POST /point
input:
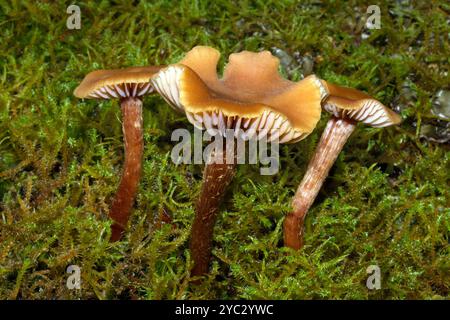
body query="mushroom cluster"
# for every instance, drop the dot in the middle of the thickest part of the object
(252, 101)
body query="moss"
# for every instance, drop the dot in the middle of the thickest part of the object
(386, 201)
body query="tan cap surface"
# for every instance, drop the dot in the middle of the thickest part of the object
(352, 104)
(251, 95)
(118, 83)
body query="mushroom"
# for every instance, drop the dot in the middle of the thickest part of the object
(253, 100)
(129, 86)
(347, 107)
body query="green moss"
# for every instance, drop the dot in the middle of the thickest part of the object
(386, 201)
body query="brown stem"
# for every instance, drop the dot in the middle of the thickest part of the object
(133, 139)
(330, 145)
(216, 178)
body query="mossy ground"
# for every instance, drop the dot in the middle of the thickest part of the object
(386, 201)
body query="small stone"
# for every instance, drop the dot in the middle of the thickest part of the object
(438, 133)
(307, 65)
(441, 104)
(285, 59)
(407, 91)
(407, 96)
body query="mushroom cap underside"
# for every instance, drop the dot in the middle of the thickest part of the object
(118, 83)
(349, 103)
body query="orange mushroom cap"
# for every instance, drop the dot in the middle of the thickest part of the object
(118, 83)
(251, 96)
(352, 104)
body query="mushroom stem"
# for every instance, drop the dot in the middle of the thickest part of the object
(133, 139)
(333, 139)
(216, 178)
